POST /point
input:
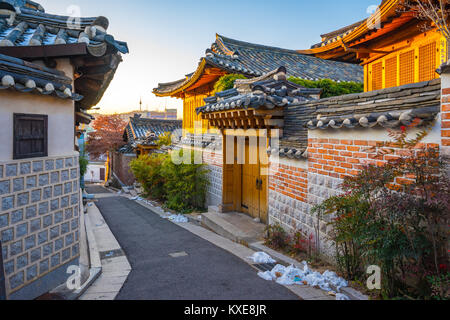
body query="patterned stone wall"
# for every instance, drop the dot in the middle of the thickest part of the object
(213, 162)
(39, 217)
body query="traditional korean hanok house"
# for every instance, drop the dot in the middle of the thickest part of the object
(324, 140)
(248, 117)
(141, 136)
(391, 45)
(346, 132)
(51, 71)
(226, 56)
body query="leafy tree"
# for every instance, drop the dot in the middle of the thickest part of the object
(107, 134)
(226, 82)
(165, 139)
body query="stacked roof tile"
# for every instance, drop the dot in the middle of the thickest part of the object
(270, 91)
(28, 77)
(25, 23)
(146, 132)
(389, 108)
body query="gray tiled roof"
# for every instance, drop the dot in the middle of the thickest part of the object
(27, 77)
(25, 23)
(254, 60)
(146, 131)
(270, 91)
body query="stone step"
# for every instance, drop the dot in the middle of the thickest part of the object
(234, 226)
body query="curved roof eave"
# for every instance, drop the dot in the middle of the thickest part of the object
(385, 9)
(185, 84)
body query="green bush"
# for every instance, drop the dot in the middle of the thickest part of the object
(185, 184)
(330, 88)
(147, 170)
(226, 82)
(181, 186)
(165, 139)
(276, 237)
(83, 164)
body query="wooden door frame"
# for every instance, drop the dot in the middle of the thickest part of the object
(232, 178)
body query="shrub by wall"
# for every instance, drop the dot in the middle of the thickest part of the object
(330, 88)
(182, 187)
(226, 82)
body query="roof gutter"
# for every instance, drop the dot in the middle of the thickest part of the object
(50, 51)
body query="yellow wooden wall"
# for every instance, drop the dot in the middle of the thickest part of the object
(191, 101)
(415, 63)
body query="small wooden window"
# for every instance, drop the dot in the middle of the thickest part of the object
(30, 136)
(391, 72)
(377, 76)
(427, 62)
(407, 67)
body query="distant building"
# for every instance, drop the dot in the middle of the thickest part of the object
(167, 114)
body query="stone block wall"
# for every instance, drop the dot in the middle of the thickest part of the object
(213, 161)
(39, 217)
(287, 196)
(292, 192)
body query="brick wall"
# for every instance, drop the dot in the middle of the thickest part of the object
(337, 158)
(445, 118)
(39, 217)
(291, 191)
(287, 195)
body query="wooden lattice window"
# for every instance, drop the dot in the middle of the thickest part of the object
(391, 72)
(427, 62)
(407, 67)
(377, 76)
(30, 136)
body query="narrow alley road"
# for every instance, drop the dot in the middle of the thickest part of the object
(206, 272)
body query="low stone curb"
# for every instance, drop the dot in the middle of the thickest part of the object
(95, 269)
(283, 259)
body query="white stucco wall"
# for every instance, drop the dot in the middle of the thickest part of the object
(93, 172)
(61, 136)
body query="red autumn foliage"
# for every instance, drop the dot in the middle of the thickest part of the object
(107, 134)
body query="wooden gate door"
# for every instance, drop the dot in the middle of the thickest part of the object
(250, 178)
(102, 174)
(254, 184)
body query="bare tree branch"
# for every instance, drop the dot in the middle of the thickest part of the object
(435, 12)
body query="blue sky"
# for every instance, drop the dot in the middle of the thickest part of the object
(167, 38)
